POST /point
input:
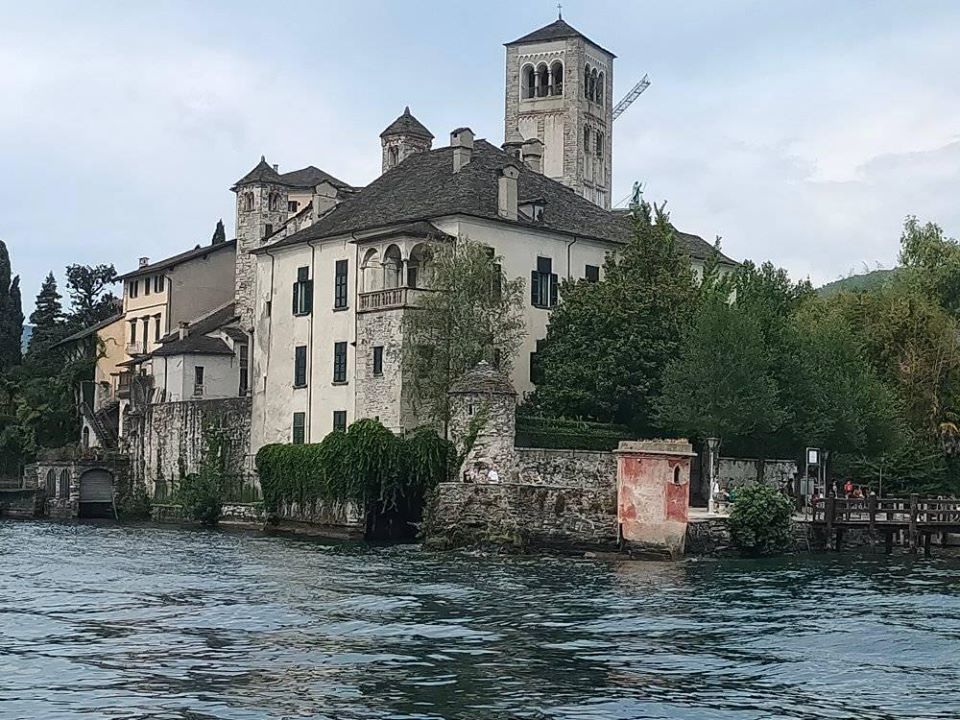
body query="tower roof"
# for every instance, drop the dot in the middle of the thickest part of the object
(482, 379)
(407, 124)
(261, 173)
(557, 30)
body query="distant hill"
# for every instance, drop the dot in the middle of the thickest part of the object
(25, 338)
(858, 283)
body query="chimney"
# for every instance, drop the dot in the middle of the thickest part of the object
(461, 140)
(144, 261)
(276, 168)
(507, 192)
(182, 330)
(513, 144)
(325, 198)
(533, 155)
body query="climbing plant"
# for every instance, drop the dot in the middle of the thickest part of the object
(367, 465)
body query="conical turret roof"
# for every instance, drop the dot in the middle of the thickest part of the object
(261, 173)
(407, 124)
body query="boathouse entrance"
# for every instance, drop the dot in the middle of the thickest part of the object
(96, 494)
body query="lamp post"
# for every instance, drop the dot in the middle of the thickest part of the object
(713, 448)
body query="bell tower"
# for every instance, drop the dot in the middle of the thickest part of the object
(558, 90)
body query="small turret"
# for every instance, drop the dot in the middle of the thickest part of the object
(403, 137)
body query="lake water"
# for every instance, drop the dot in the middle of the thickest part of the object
(110, 622)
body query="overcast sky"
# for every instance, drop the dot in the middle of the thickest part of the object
(802, 132)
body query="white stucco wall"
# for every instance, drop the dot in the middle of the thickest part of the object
(174, 376)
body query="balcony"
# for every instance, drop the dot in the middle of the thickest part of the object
(390, 299)
(136, 348)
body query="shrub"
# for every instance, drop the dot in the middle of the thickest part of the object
(200, 496)
(760, 520)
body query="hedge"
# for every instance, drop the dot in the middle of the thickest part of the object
(367, 465)
(565, 433)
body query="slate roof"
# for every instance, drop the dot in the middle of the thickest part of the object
(198, 251)
(204, 324)
(557, 30)
(193, 345)
(424, 187)
(310, 177)
(88, 331)
(263, 172)
(407, 124)
(482, 379)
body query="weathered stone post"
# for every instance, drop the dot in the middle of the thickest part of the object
(653, 494)
(483, 423)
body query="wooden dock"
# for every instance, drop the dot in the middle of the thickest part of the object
(917, 519)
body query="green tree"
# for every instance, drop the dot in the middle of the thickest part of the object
(474, 313)
(720, 384)
(47, 319)
(90, 302)
(608, 342)
(931, 262)
(11, 314)
(219, 233)
(761, 520)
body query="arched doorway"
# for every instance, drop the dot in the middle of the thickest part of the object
(96, 494)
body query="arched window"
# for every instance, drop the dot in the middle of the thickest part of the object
(63, 492)
(370, 275)
(598, 93)
(529, 80)
(543, 80)
(393, 157)
(419, 270)
(273, 203)
(593, 85)
(85, 437)
(556, 78)
(586, 83)
(676, 475)
(247, 202)
(50, 486)
(392, 265)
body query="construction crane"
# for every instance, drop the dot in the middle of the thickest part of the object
(631, 96)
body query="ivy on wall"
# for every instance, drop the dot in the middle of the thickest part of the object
(367, 465)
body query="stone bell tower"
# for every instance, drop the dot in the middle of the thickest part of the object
(558, 89)
(404, 136)
(261, 210)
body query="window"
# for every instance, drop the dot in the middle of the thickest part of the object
(393, 157)
(133, 332)
(543, 81)
(340, 362)
(244, 353)
(529, 81)
(586, 83)
(586, 140)
(158, 283)
(556, 77)
(591, 273)
(63, 492)
(378, 360)
(339, 420)
(543, 284)
(51, 484)
(300, 366)
(268, 230)
(602, 198)
(198, 380)
(599, 147)
(292, 205)
(536, 371)
(299, 428)
(303, 292)
(156, 328)
(598, 90)
(146, 286)
(134, 288)
(247, 201)
(340, 284)
(273, 202)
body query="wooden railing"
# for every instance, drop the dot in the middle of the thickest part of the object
(874, 511)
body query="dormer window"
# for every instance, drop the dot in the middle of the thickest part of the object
(532, 210)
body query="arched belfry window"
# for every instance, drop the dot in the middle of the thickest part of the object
(556, 78)
(543, 80)
(598, 93)
(273, 203)
(587, 92)
(529, 79)
(247, 201)
(593, 85)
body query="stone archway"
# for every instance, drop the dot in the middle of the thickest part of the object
(96, 494)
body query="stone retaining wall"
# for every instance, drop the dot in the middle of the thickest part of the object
(19, 503)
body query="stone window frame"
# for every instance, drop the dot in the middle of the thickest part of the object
(378, 360)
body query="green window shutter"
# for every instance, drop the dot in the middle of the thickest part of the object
(553, 289)
(308, 296)
(295, 287)
(535, 288)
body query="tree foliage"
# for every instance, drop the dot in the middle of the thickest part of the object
(473, 313)
(11, 314)
(90, 300)
(219, 234)
(608, 342)
(761, 520)
(49, 324)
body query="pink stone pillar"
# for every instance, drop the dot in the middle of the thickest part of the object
(653, 495)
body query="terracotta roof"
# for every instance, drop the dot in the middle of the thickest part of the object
(557, 30)
(198, 251)
(424, 187)
(407, 124)
(484, 379)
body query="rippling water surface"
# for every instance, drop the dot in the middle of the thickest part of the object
(110, 622)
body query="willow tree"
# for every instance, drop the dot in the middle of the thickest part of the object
(473, 313)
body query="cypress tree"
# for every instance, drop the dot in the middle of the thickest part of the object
(47, 319)
(219, 234)
(11, 314)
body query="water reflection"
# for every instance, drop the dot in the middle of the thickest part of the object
(109, 622)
